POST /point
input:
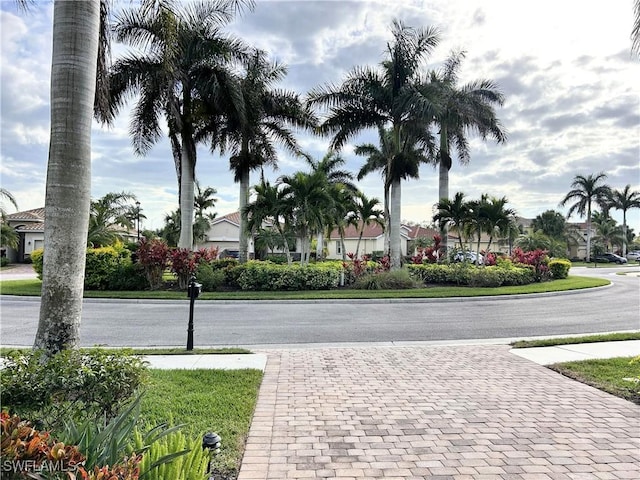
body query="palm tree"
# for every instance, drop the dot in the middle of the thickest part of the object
(340, 183)
(267, 117)
(107, 214)
(452, 214)
(551, 223)
(585, 191)
(76, 40)
(270, 206)
(204, 200)
(458, 111)
(306, 200)
(181, 61)
(625, 200)
(365, 214)
(383, 97)
(6, 194)
(608, 232)
(498, 219)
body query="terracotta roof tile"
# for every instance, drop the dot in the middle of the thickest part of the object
(37, 214)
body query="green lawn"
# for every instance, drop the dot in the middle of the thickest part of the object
(32, 288)
(221, 401)
(550, 342)
(619, 376)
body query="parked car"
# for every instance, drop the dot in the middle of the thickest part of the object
(609, 258)
(633, 256)
(229, 253)
(468, 256)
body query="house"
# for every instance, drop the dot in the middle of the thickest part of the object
(30, 228)
(373, 240)
(224, 233)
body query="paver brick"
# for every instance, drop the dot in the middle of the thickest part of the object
(433, 412)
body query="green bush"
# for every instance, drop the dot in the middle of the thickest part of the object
(559, 268)
(467, 274)
(127, 276)
(100, 266)
(269, 276)
(223, 263)
(4, 261)
(393, 280)
(486, 277)
(37, 259)
(71, 384)
(210, 279)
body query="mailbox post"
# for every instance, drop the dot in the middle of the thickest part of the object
(193, 291)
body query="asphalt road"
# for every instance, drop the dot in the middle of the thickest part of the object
(240, 323)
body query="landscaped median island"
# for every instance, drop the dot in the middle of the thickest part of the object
(111, 274)
(119, 417)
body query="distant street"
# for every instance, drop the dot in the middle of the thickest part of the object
(241, 323)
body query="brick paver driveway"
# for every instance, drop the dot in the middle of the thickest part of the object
(434, 412)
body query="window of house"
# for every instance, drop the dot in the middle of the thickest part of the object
(338, 247)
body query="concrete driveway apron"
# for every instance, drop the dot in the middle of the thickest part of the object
(434, 412)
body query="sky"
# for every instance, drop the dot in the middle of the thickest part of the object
(572, 102)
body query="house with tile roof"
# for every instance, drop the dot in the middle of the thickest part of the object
(224, 234)
(30, 228)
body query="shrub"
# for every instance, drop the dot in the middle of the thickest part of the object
(395, 280)
(70, 384)
(127, 276)
(101, 263)
(537, 258)
(269, 276)
(4, 261)
(189, 466)
(486, 277)
(184, 262)
(223, 263)
(559, 268)
(37, 257)
(153, 255)
(210, 279)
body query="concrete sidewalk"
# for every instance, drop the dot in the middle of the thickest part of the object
(539, 355)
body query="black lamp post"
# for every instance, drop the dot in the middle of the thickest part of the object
(138, 218)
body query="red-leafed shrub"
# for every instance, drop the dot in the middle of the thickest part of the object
(153, 255)
(538, 259)
(184, 262)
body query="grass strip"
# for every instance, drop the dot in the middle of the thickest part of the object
(221, 401)
(153, 350)
(551, 342)
(32, 288)
(618, 376)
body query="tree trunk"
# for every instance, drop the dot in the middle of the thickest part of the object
(76, 26)
(359, 240)
(387, 223)
(395, 247)
(319, 245)
(187, 198)
(443, 179)
(244, 199)
(624, 233)
(588, 257)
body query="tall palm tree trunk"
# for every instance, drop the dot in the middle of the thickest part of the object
(187, 196)
(244, 200)
(443, 179)
(395, 247)
(588, 257)
(624, 233)
(76, 26)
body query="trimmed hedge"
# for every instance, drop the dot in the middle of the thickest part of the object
(106, 268)
(559, 268)
(270, 276)
(465, 274)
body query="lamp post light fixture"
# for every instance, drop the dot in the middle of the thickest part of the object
(211, 441)
(138, 218)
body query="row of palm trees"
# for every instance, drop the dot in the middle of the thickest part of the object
(588, 191)
(313, 203)
(210, 87)
(473, 218)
